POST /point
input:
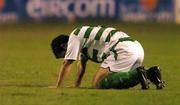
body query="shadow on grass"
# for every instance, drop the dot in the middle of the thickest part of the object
(21, 85)
(46, 87)
(23, 94)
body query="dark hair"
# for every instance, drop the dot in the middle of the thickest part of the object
(56, 44)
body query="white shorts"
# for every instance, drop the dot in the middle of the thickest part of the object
(130, 56)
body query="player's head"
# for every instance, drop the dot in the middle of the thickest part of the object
(59, 45)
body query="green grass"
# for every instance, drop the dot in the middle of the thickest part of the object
(27, 65)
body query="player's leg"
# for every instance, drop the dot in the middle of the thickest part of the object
(105, 79)
(142, 77)
(130, 56)
(141, 71)
(120, 80)
(125, 80)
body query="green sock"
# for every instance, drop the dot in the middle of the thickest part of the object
(120, 80)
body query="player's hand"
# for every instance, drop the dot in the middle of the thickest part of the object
(52, 87)
(55, 87)
(69, 87)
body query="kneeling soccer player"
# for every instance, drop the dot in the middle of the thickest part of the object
(121, 58)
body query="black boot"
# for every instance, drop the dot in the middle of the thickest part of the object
(142, 77)
(154, 75)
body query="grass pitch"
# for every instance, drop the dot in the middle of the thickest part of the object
(27, 66)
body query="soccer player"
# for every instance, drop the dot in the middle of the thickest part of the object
(121, 58)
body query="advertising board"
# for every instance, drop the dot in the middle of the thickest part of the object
(71, 10)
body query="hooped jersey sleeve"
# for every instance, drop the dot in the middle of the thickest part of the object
(73, 48)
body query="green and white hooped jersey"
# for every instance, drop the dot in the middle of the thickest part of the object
(93, 42)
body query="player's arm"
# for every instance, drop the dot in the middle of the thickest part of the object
(81, 66)
(65, 69)
(71, 55)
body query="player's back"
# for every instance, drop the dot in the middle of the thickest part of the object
(97, 41)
